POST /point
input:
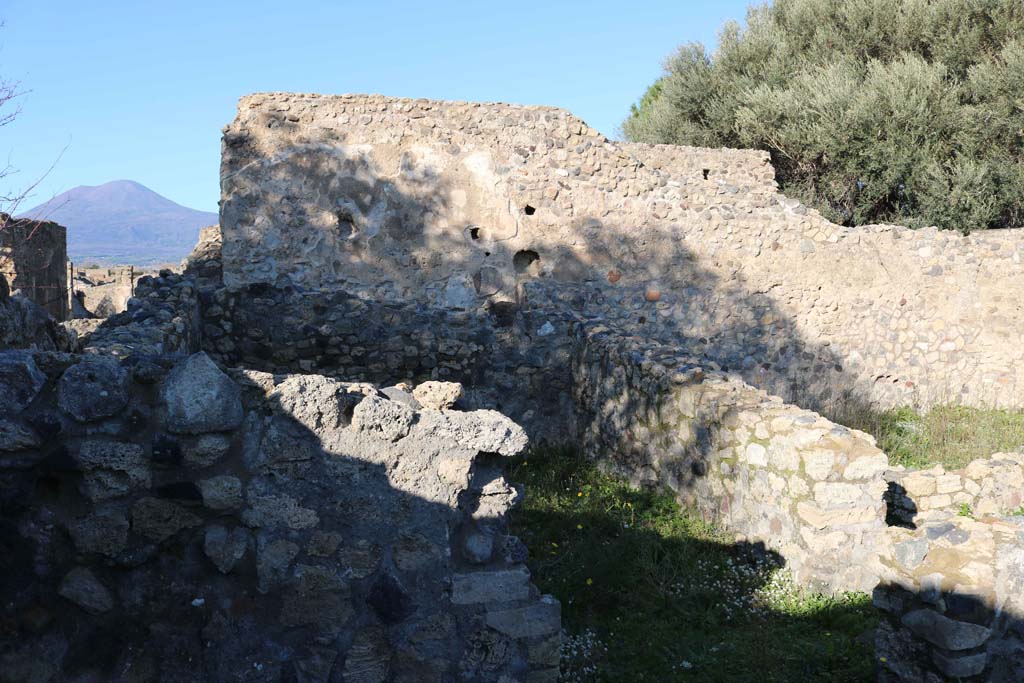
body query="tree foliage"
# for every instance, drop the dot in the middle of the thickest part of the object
(906, 111)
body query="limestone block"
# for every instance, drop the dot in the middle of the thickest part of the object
(818, 464)
(832, 495)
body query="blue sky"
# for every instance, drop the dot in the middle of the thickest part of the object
(140, 90)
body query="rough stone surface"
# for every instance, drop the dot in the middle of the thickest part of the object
(438, 395)
(112, 469)
(383, 417)
(20, 381)
(81, 587)
(93, 389)
(16, 436)
(225, 548)
(200, 398)
(159, 520)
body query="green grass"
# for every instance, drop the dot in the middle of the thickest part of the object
(650, 592)
(948, 435)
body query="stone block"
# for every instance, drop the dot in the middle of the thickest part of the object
(112, 468)
(158, 520)
(963, 666)
(491, 586)
(541, 619)
(945, 632)
(81, 587)
(221, 493)
(20, 381)
(200, 398)
(95, 388)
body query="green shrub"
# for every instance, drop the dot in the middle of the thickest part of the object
(908, 111)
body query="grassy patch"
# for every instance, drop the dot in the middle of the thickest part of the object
(948, 435)
(650, 592)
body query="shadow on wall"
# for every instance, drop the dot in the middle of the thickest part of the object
(137, 547)
(392, 234)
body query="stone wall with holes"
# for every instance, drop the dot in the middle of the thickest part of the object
(954, 607)
(985, 487)
(33, 259)
(805, 487)
(163, 518)
(454, 204)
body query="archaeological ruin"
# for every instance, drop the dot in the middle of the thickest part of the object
(286, 463)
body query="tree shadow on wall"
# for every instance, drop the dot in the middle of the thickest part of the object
(312, 564)
(413, 227)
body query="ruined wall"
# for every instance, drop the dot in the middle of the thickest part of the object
(954, 610)
(805, 487)
(33, 259)
(450, 202)
(164, 520)
(101, 293)
(984, 487)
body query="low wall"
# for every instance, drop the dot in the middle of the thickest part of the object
(954, 609)
(510, 358)
(164, 520)
(807, 488)
(986, 486)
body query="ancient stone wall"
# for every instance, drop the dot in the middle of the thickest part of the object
(984, 487)
(100, 293)
(808, 489)
(165, 520)
(33, 259)
(453, 203)
(954, 609)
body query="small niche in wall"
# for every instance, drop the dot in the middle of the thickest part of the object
(706, 171)
(529, 210)
(526, 261)
(474, 233)
(346, 227)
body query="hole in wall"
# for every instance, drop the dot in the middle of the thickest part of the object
(706, 171)
(346, 227)
(529, 210)
(474, 233)
(526, 261)
(900, 508)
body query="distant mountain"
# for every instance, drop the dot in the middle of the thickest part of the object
(123, 222)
